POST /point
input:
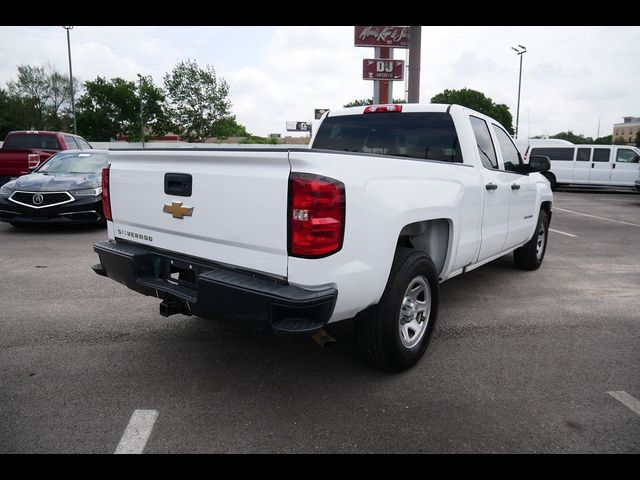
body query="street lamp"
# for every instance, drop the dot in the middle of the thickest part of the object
(141, 117)
(519, 51)
(73, 106)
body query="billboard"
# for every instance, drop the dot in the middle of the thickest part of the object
(381, 36)
(298, 126)
(318, 112)
(382, 69)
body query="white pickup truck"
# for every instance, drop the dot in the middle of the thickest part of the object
(389, 201)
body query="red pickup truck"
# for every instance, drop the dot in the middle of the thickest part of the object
(24, 150)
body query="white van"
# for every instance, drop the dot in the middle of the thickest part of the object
(597, 165)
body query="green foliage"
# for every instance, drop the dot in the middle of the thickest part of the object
(111, 108)
(606, 140)
(252, 139)
(572, 137)
(45, 96)
(197, 100)
(477, 101)
(619, 141)
(361, 102)
(228, 127)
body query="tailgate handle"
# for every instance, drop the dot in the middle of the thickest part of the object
(178, 184)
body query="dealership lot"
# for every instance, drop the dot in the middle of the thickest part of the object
(519, 362)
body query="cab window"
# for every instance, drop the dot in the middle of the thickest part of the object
(484, 142)
(510, 155)
(626, 155)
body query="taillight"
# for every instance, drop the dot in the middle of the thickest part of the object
(316, 215)
(33, 160)
(382, 108)
(106, 198)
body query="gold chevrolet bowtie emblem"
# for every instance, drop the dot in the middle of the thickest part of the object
(177, 210)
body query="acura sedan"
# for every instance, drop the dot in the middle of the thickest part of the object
(64, 189)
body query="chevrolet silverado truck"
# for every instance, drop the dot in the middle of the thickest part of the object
(388, 202)
(22, 151)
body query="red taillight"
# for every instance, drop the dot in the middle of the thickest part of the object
(33, 159)
(106, 199)
(382, 108)
(316, 215)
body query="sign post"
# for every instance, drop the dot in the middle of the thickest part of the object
(384, 39)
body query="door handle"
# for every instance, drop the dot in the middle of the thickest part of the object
(593, 165)
(491, 186)
(515, 186)
(614, 166)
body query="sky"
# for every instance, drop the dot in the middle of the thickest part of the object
(572, 77)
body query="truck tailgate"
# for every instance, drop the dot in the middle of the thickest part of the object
(239, 201)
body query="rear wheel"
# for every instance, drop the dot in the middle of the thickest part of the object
(396, 332)
(531, 254)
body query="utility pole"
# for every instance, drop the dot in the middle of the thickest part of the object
(415, 42)
(521, 50)
(73, 106)
(141, 117)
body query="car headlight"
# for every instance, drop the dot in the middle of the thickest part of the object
(89, 192)
(5, 191)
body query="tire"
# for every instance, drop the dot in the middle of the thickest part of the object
(531, 255)
(378, 333)
(553, 184)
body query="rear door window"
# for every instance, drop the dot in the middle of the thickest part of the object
(419, 135)
(71, 143)
(583, 155)
(558, 154)
(82, 143)
(601, 154)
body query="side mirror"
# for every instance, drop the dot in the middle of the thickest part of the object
(539, 163)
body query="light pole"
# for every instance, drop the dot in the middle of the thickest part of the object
(521, 50)
(141, 117)
(73, 106)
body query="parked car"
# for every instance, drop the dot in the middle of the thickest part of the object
(64, 189)
(594, 165)
(25, 150)
(389, 201)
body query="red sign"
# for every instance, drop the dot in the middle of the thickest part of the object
(382, 69)
(394, 37)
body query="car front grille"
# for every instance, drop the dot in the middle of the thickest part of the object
(41, 199)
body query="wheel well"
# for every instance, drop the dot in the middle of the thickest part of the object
(432, 236)
(546, 206)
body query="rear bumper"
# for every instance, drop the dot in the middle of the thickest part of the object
(212, 291)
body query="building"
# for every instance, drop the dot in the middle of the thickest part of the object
(627, 130)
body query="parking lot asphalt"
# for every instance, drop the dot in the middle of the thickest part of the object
(520, 362)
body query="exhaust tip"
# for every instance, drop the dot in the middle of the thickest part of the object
(323, 339)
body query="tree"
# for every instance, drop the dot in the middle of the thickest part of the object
(228, 127)
(606, 140)
(477, 101)
(14, 113)
(361, 102)
(197, 101)
(109, 109)
(46, 93)
(573, 138)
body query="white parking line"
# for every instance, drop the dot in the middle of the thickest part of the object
(563, 233)
(596, 216)
(137, 432)
(627, 400)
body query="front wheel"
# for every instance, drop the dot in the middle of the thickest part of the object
(531, 254)
(396, 332)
